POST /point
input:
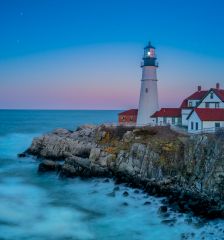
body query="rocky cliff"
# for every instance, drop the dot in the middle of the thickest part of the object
(189, 170)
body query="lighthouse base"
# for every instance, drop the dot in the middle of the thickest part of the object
(148, 103)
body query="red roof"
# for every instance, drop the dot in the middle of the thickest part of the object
(184, 104)
(129, 112)
(219, 93)
(195, 96)
(199, 95)
(168, 112)
(210, 114)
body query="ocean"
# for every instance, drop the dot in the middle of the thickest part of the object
(42, 206)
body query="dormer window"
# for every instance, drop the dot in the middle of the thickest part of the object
(211, 95)
(189, 104)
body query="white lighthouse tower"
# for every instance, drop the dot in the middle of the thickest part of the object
(148, 102)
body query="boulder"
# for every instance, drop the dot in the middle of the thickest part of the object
(86, 126)
(62, 132)
(162, 209)
(48, 166)
(77, 161)
(128, 136)
(22, 155)
(125, 194)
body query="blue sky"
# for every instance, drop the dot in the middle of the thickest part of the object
(86, 54)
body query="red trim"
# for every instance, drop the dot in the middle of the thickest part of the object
(168, 112)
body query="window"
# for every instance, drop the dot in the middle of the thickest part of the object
(211, 96)
(173, 120)
(207, 104)
(196, 125)
(131, 118)
(164, 120)
(189, 104)
(123, 119)
(146, 90)
(179, 121)
(217, 125)
(192, 125)
(216, 105)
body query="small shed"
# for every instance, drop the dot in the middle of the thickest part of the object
(128, 117)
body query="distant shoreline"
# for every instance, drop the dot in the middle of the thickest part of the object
(20, 109)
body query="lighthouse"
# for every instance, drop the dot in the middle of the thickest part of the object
(148, 102)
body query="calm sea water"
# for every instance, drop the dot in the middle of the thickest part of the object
(37, 207)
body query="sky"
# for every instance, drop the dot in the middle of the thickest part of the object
(70, 54)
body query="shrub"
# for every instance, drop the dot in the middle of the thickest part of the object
(146, 131)
(111, 150)
(117, 132)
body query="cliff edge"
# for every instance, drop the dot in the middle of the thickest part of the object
(188, 170)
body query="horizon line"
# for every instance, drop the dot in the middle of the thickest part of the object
(52, 109)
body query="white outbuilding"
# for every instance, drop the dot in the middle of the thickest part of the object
(205, 120)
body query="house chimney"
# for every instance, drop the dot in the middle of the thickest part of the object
(217, 85)
(199, 88)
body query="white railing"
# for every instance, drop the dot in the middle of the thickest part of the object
(209, 130)
(175, 128)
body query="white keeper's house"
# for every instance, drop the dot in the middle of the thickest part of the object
(202, 111)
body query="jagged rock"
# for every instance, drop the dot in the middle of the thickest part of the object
(162, 209)
(69, 170)
(21, 155)
(62, 132)
(128, 136)
(125, 194)
(188, 170)
(55, 147)
(48, 165)
(82, 162)
(99, 171)
(86, 126)
(117, 188)
(95, 154)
